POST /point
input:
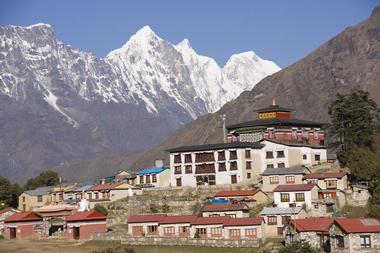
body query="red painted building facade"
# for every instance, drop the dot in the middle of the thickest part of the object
(24, 225)
(82, 225)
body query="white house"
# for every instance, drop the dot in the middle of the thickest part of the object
(273, 177)
(237, 162)
(328, 180)
(233, 210)
(296, 195)
(153, 177)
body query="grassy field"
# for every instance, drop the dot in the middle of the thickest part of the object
(54, 246)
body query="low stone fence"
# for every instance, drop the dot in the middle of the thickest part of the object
(176, 241)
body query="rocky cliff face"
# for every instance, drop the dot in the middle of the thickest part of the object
(349, 61)
(59, 103)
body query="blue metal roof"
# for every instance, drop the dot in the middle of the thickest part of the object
(149, 171)
(83, 188)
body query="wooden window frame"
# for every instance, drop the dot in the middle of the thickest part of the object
(285, 200)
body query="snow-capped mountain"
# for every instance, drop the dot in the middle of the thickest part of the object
(78, 105)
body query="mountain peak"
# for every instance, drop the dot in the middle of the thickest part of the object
(39, 25)
(184, 43)
(146, 32)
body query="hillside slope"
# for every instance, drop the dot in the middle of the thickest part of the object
(347, 62)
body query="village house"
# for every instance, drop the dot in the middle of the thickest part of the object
(296, 195)
(32, 199)
(315, 231)
(251, 197)
(23, 225)
(276, 123)
(272, 177)
(109, 192)
(83, 224)
(4, 213)
(62, 193)
(328, 180)
(233, 210)
(221, 227)
(277, 218)
(80, 192)
(153, 177)
(355, 235)
(126, 177)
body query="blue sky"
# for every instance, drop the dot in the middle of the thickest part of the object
(282, 31)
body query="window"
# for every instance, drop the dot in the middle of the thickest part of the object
(233, 155)
(248, 175)
(286, 220)
(248, 165)
(294, 133)
(280, 165)
(221, 156)
(152, 229)
(248, 154)
(284, 197)
(280, 154)
(201, 231)
(154, 178)
(169, 230)
(216, 231)
(270, 166)
(251, 232)
(365, 241)
(290, 179)
(269, 155)
(90, 196)
(231, 215)
(339, 241)
(304, 156)
(184, 229)
(188, 158)
(331, 184)
(188, 169)
(177, 158)
(178, 182)
(177, 170)
(273, 180)
(222, 167)
(60, 196)
(233, 166)
(315, 134)
(96, 195)
(272, 220)
(317, 157)
(39, 198)
(147, 179)
(141, 179)
(204, 157)
(23, 199)
(300, 197)
(234, 232)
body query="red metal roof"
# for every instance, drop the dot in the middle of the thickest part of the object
(312, 224)
(24, 216)
(87, 215)
(359, 225)
(178, 219)
(254, 221)
(237, 193)
(146, 218)
(325, 175)
(210, 220)
(294, 187)
(7, 209)
(108, 186)
(220, 207)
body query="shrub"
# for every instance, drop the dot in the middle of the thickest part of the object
(297, 247)
(118, 249)
(101, 209)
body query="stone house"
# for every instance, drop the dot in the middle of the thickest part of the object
(32, 199)
(328, 180)
(316, 231)
(108, 192)
(296, 195)
(153, 177)
(24, 225)
(277, 218)
(144, 225)
(82, 225)
(357, 194)
(248, 196)
(4, 213)
(355, 235)
(176, 226)
(273, 177)
(233, 210)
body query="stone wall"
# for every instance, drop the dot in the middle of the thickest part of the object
(175, 241)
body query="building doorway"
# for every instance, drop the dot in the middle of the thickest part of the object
(76, 233)
(179, 181)
(12, 233)
(233, 179)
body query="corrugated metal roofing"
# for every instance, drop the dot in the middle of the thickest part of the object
(254, 221)
(312, 224)
(149, 171)
(280, 210)
(87, 215)
(220, 207)
(359, 225)
(325, 175)
(146, 218)
(23, 216)
(40, 191)
(237, 193)
(83, 188)
(284, 171)
(294, 187)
